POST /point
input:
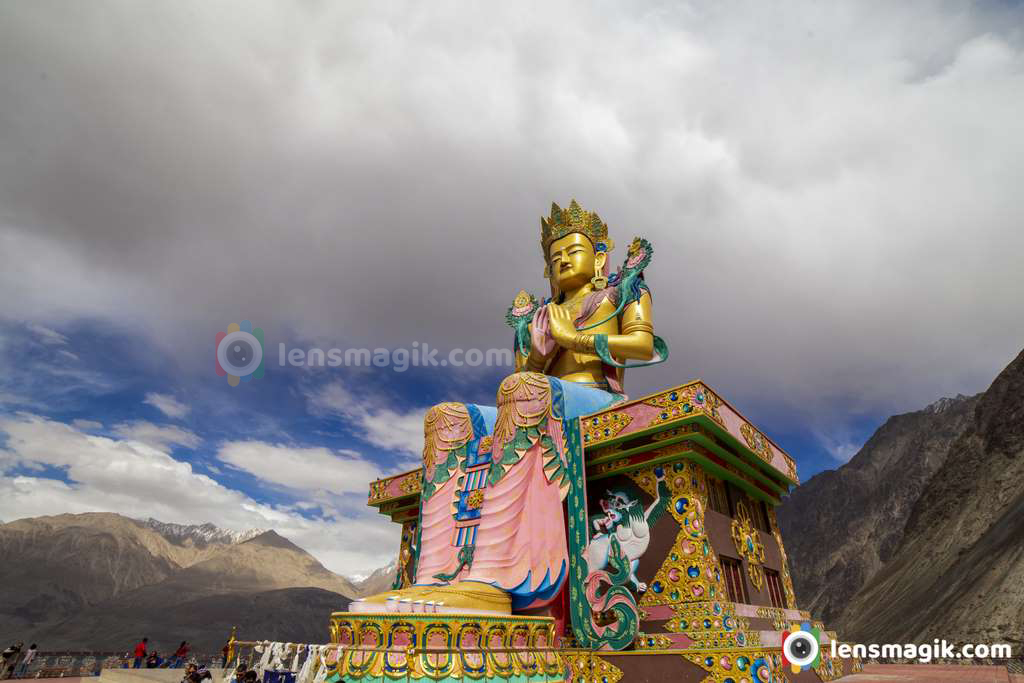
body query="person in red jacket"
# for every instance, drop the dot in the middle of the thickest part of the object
(140, 653)
(179, 655)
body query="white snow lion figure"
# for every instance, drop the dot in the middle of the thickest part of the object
(630, 523)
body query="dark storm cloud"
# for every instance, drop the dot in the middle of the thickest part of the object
(832, 190)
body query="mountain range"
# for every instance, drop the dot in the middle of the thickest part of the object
(101, 581)
(921, 534)
(200, 534)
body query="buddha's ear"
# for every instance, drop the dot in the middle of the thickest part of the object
(600, 258)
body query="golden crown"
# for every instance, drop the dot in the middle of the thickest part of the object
(572, 219)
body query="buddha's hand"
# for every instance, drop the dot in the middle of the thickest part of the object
(563, 329)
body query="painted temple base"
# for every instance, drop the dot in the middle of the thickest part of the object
(463, 597)
(709, 642)
(444, 647)
(718, 589)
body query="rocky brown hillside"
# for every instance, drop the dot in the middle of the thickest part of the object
(960, 572)
(842, 526)
(266, 562)
(295, 615)
(947, 562)
(62, 575)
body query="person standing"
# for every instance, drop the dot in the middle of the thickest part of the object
(26, 660)
(178, 660)
(10, 656)
(140, 653)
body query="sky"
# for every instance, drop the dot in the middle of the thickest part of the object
(832, 191)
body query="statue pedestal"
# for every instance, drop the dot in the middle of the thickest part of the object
(444, 647)
(710, 577)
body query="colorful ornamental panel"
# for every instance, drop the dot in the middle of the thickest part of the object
(586, 667)
(405, 484)
(691, 570)
(787, 579)
(685, 401)
(674, 408)
(603, 427)
(748, 544)
(406, 553)
(443, 647)
(756, 442)
(712, 624)
(732, 667)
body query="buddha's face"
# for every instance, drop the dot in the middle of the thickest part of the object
(573, 261)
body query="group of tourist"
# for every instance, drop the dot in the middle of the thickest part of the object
(152, 659)
(15, 662)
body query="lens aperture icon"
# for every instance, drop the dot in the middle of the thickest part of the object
(801, 648)
(239, 353)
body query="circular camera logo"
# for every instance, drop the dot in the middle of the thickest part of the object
(801, 649)
(239, 353)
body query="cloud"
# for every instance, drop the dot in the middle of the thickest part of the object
(832, 188)
(161, 437)
(381, 426)
(841, 445)
(141, 480)
(7, 398)
(67, 380)
(303, 469)
(128, 469)
(86, 425)
(167, 404)
(47, 335)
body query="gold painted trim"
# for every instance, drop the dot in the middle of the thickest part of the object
(707, 386)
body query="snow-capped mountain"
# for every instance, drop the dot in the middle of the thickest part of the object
(199, 534)
(378, 581)
(98, 580)
(946, 403)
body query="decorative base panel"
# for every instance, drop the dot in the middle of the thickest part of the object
(444, 647)
(382, 648)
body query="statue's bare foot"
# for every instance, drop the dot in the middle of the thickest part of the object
(404, 600)
(464, 597)
(468, 597)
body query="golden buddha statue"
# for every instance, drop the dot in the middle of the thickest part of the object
(492, 529)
